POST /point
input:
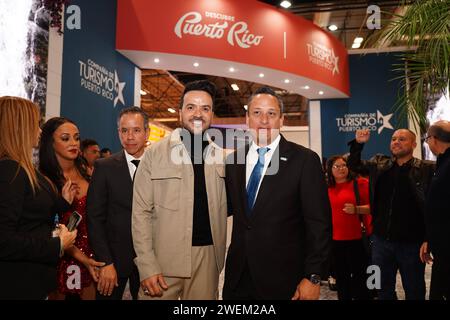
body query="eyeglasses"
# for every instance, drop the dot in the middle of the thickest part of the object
(427, 138)
(342, 166)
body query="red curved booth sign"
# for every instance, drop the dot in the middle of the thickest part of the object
(252, 35)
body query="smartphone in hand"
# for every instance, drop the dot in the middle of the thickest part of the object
(74, 221)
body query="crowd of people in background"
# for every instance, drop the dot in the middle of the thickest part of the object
(160, 226)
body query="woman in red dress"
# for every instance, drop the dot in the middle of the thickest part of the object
(59, 159)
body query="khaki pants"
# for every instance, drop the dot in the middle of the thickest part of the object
(203, 283)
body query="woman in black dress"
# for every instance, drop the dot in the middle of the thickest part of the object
(28, 204)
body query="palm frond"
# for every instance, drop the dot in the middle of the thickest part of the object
(424, 27)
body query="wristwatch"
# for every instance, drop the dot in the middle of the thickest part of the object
(314, 278)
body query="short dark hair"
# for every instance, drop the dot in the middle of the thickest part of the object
(105, 150)
(87, 143)
(266, 90)
(200, 85)
(439, 133)
(135, 110)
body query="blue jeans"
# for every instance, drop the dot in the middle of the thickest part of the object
(391, 256)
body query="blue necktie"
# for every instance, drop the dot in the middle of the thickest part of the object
(255, 178)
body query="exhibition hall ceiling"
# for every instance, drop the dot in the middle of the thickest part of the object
(349, 16)
(163, 91)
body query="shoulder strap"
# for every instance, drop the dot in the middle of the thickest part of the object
(356, 191)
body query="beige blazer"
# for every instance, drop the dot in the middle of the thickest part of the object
(163, 200)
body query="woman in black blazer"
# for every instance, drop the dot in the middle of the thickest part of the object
(28, 203)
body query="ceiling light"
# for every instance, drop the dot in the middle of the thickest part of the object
(332, 27)
(235, 87)
(358, 40)
(285, 4)
(321, 92)
(171, 110)
(287, 80)
(305, 87)
(143, 93)
(261, 75)
(356, 45)
(156, 60)
(245, 107)
(231, 69)
(196, 64)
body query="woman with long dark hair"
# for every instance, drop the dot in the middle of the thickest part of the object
(28, 203)
(349, 256)
(60, 160)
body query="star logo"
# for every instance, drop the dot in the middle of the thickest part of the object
(335, 62)
(384, 121)
(118, 88)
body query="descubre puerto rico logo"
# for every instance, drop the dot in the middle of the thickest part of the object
(237, 34)
(371, 121)
(101, 81)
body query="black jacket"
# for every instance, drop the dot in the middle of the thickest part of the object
(109, 202)
(420, 177)
(28, 253)
(438, 208)
(288, 234)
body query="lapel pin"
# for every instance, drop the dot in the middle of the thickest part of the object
(283, 158)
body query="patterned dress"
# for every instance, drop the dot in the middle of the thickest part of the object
(72, 274)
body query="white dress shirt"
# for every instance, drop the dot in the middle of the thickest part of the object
(252, 159)
(131, 166)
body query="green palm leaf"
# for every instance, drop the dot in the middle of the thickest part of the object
(425, 28)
